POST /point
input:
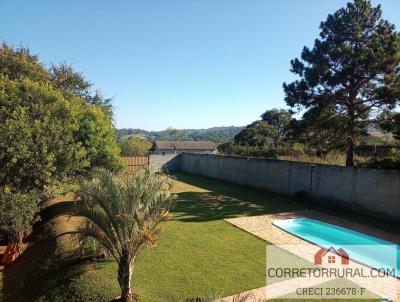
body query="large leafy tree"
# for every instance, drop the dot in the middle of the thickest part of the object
(37, 135)
(48, 128)
(258, 134)
(279, 120)
(51, 128)
(124, 214)
(352, 70)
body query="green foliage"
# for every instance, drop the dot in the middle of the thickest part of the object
(97, 137)
(134, 146)
(200, 236)
(37, 127)
(18, 213)
(262, 138)
(227, 148)
(124, 214)
(298, 149)
(100, 101)
(320, 130)
(185, 258)
(258, 134)
(19, 63)
(231, 148)
(58, 188)
(73, 83)
(88, 246)
(352, 69)
(392, 161)
(374, 140)
(52, 129)
(50, 126)
(332, 158)
(69, 81)
(175, 134)
(390, 122)
(279, 120)
(216, 134)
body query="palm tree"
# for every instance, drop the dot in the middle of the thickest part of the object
(124, 213)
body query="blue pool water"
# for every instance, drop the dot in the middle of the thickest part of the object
(369, 250)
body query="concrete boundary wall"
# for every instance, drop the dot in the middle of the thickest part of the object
(375, 191)
(167, 162)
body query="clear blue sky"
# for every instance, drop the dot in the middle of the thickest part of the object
(179, 63)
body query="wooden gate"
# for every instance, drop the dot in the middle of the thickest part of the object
(134, 163)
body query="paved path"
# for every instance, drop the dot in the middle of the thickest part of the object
(261, 226)
(276, 290)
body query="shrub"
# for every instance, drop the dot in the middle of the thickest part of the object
(298, 149)
(18, 213)
(134, 146)
(392, 161)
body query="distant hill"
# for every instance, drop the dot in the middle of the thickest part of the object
(216, 134)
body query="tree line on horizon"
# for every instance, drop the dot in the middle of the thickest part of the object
(216, 134)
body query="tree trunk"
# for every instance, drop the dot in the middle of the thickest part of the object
(350, 152)
(276, 144)
(124, 276)
(350, 139)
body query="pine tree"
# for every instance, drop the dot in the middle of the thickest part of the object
(352, 70)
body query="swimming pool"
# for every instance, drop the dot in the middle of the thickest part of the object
(371, 251)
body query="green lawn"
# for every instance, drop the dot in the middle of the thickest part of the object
(198, 254)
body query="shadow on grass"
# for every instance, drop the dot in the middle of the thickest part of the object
(35, 272)
(48, 267)
(66, 207)
(40, 274)
(226, 200)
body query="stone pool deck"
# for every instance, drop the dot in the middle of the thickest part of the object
(261, 226)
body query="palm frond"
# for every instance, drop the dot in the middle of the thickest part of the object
(243, 297)
(125, 211)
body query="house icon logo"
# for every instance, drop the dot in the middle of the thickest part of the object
(334, 256)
